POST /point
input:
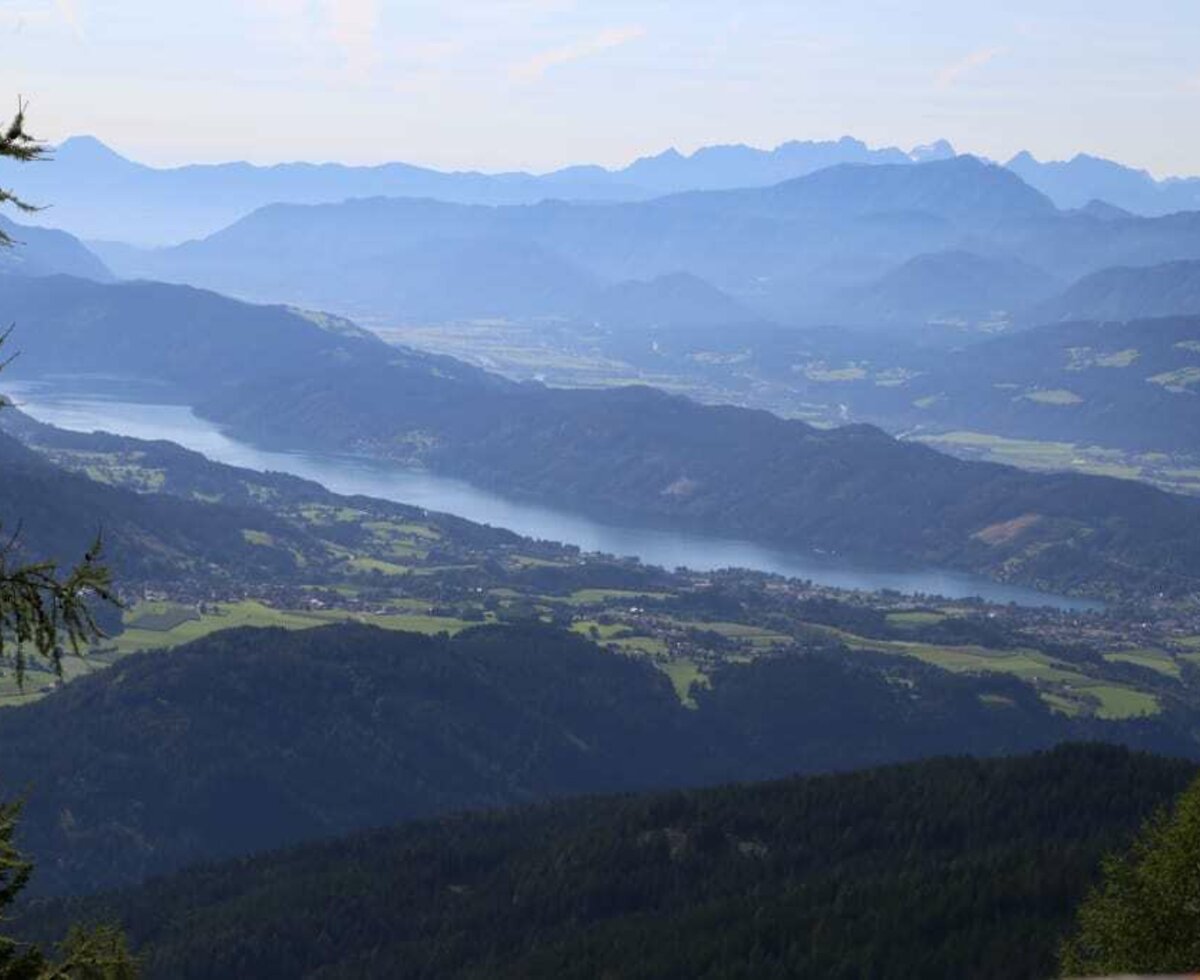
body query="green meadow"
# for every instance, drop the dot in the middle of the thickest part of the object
(162, 625)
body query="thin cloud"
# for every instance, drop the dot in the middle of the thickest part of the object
(952, 74)
(537, 66)
(353, 25)
(47, 15)
(349, 26)
(68, 10)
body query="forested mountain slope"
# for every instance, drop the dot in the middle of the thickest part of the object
(1130, 384)
(635, 454)
(1126, 293)
(950, 868)
(954, 288)
(58, 515)
(45, 252)
(678, 300)
(338, 728)
(180, 338)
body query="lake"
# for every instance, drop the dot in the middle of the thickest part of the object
(390, 481)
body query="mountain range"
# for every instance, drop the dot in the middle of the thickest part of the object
(895, 245)
(1085, 179)
(99, 194)
(889, 246)
(779, 250)
(949, 294)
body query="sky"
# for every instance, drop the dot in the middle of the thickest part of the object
(538, 84)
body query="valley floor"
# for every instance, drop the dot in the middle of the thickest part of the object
(564, 355)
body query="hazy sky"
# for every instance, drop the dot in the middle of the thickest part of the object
(497, 84)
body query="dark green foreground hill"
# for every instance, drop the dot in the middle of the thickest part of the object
(249, 740)
(946, 868)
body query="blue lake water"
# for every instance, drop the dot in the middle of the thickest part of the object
(389, 481)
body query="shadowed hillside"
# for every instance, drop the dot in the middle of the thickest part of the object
(944, 869)
(250, 739)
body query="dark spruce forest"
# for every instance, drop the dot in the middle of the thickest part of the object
(990, 857)
(326, 733)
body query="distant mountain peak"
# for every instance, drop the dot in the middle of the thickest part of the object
(1127, 293)
(929, 152)
(677, 298)
(87, 148)
(1084, 177)
(1101, 209)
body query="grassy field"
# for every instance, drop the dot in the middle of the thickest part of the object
(529, 561)
(914, 619)
(753, 635)
(1116, 703)
(684, 673)
(1179, 474)
(160, 616)
(646, 645)
(1060, 684)
(1181, 380)
(39, 679)
(599, 631)
(821, 372)
(138, 636)
(1063, 685)
(1054, 396)
(596, 597)
(364, 564)
(1157, 660)
(681, 670)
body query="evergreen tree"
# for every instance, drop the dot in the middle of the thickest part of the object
(42, 608)
(16, 144)
(1144, 917)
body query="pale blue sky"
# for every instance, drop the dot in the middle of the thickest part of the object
(541, 83)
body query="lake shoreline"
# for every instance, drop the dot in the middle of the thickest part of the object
(92, 410)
